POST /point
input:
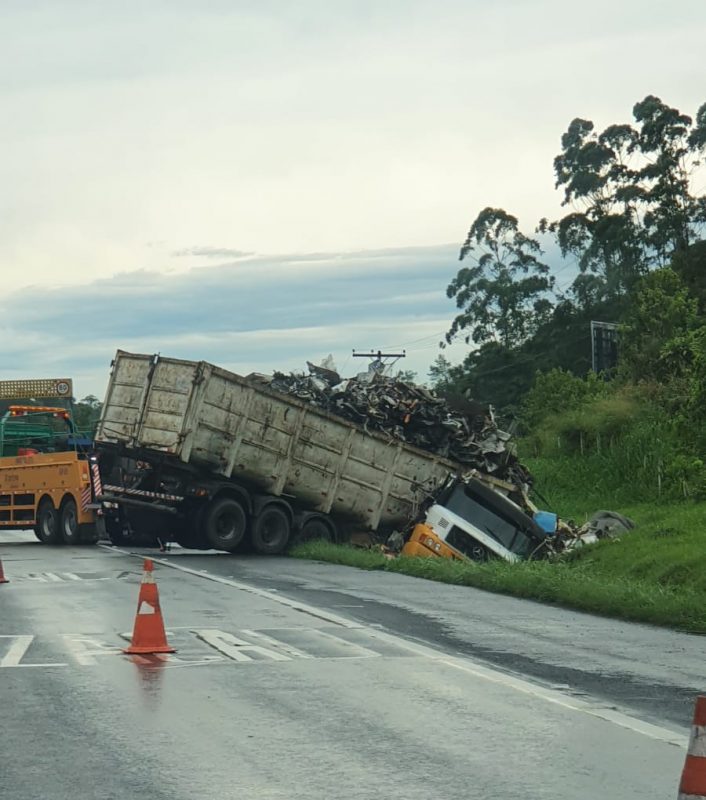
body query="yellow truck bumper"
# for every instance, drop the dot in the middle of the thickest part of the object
(424, 543)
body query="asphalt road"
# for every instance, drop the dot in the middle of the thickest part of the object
(297, 680)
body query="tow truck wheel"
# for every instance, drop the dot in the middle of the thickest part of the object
(271, 531)
(70, 531)
(47, 528)
(225, 523)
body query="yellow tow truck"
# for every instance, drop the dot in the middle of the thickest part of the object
(48, 477)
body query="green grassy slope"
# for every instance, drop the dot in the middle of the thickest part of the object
(655, 574)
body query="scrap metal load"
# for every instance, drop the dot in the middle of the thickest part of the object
(412, 414)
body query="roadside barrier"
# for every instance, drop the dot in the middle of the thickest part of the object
(148, 634)
(693, 778)
(3, 579)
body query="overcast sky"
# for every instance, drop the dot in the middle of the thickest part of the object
(256, 184)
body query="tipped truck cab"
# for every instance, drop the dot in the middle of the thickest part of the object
(469, 520)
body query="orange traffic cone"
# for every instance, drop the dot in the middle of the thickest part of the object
(148, 635)
(693, 778)
(3, 579)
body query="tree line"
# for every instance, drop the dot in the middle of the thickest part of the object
(631, 236)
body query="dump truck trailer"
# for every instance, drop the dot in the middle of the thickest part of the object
(216, 458)
(193, 452)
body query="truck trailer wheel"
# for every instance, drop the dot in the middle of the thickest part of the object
(225, 523)
(190, 531)
(47, 528)
(316, 528)
(112, 529)
(271, 531)
(68, 522)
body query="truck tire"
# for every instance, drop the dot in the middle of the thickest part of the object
(68, 522)
(189, 533)
(47, 528)
(271, 531)
(112, 529)
(316, 529)
(225, 523)
(89, 534)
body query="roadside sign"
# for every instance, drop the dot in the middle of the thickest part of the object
(39, 387)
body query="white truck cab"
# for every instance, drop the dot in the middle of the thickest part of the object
(478, 522)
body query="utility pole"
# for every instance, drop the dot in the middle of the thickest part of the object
(379, 361)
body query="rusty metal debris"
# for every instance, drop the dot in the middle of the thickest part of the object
(410, 413)
(602, 525)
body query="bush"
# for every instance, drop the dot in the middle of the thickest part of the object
(616, 442)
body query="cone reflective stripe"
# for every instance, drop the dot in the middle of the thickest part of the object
(693, 778)
(3, 579)
(148, 635)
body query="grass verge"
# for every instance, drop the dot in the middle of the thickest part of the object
(656, 574)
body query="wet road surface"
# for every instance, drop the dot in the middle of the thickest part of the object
(298, 680)
(652, 672)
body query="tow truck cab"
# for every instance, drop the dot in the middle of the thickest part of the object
(469, 520)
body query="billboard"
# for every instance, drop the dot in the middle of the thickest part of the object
(604, 347)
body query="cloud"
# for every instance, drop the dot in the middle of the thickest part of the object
(266, 313)
(211, 252)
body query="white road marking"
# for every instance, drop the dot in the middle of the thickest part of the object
(467, 665)
(236, 649)
(85, 648)
(320, 613)
(288, 648)
(366, 652)
(553, 696)
(58, 577)
(17, 651)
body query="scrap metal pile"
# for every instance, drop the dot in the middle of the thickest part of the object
(410, 413)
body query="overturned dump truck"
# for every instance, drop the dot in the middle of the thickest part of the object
(195, 453)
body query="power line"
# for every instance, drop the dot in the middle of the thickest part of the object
(421, 339)
(526, 360)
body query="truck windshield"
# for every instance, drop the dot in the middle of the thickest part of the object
(491, 520)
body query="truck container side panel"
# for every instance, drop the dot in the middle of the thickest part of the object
(124, 398)
(167, 403)
(336, 476)
(411, 470)
(265, 439)
(320, 462)
(384, 506)
(319, 443)
(297, 418)
(362, 485)
(247, 399)
(405, 476)
(220, 423)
